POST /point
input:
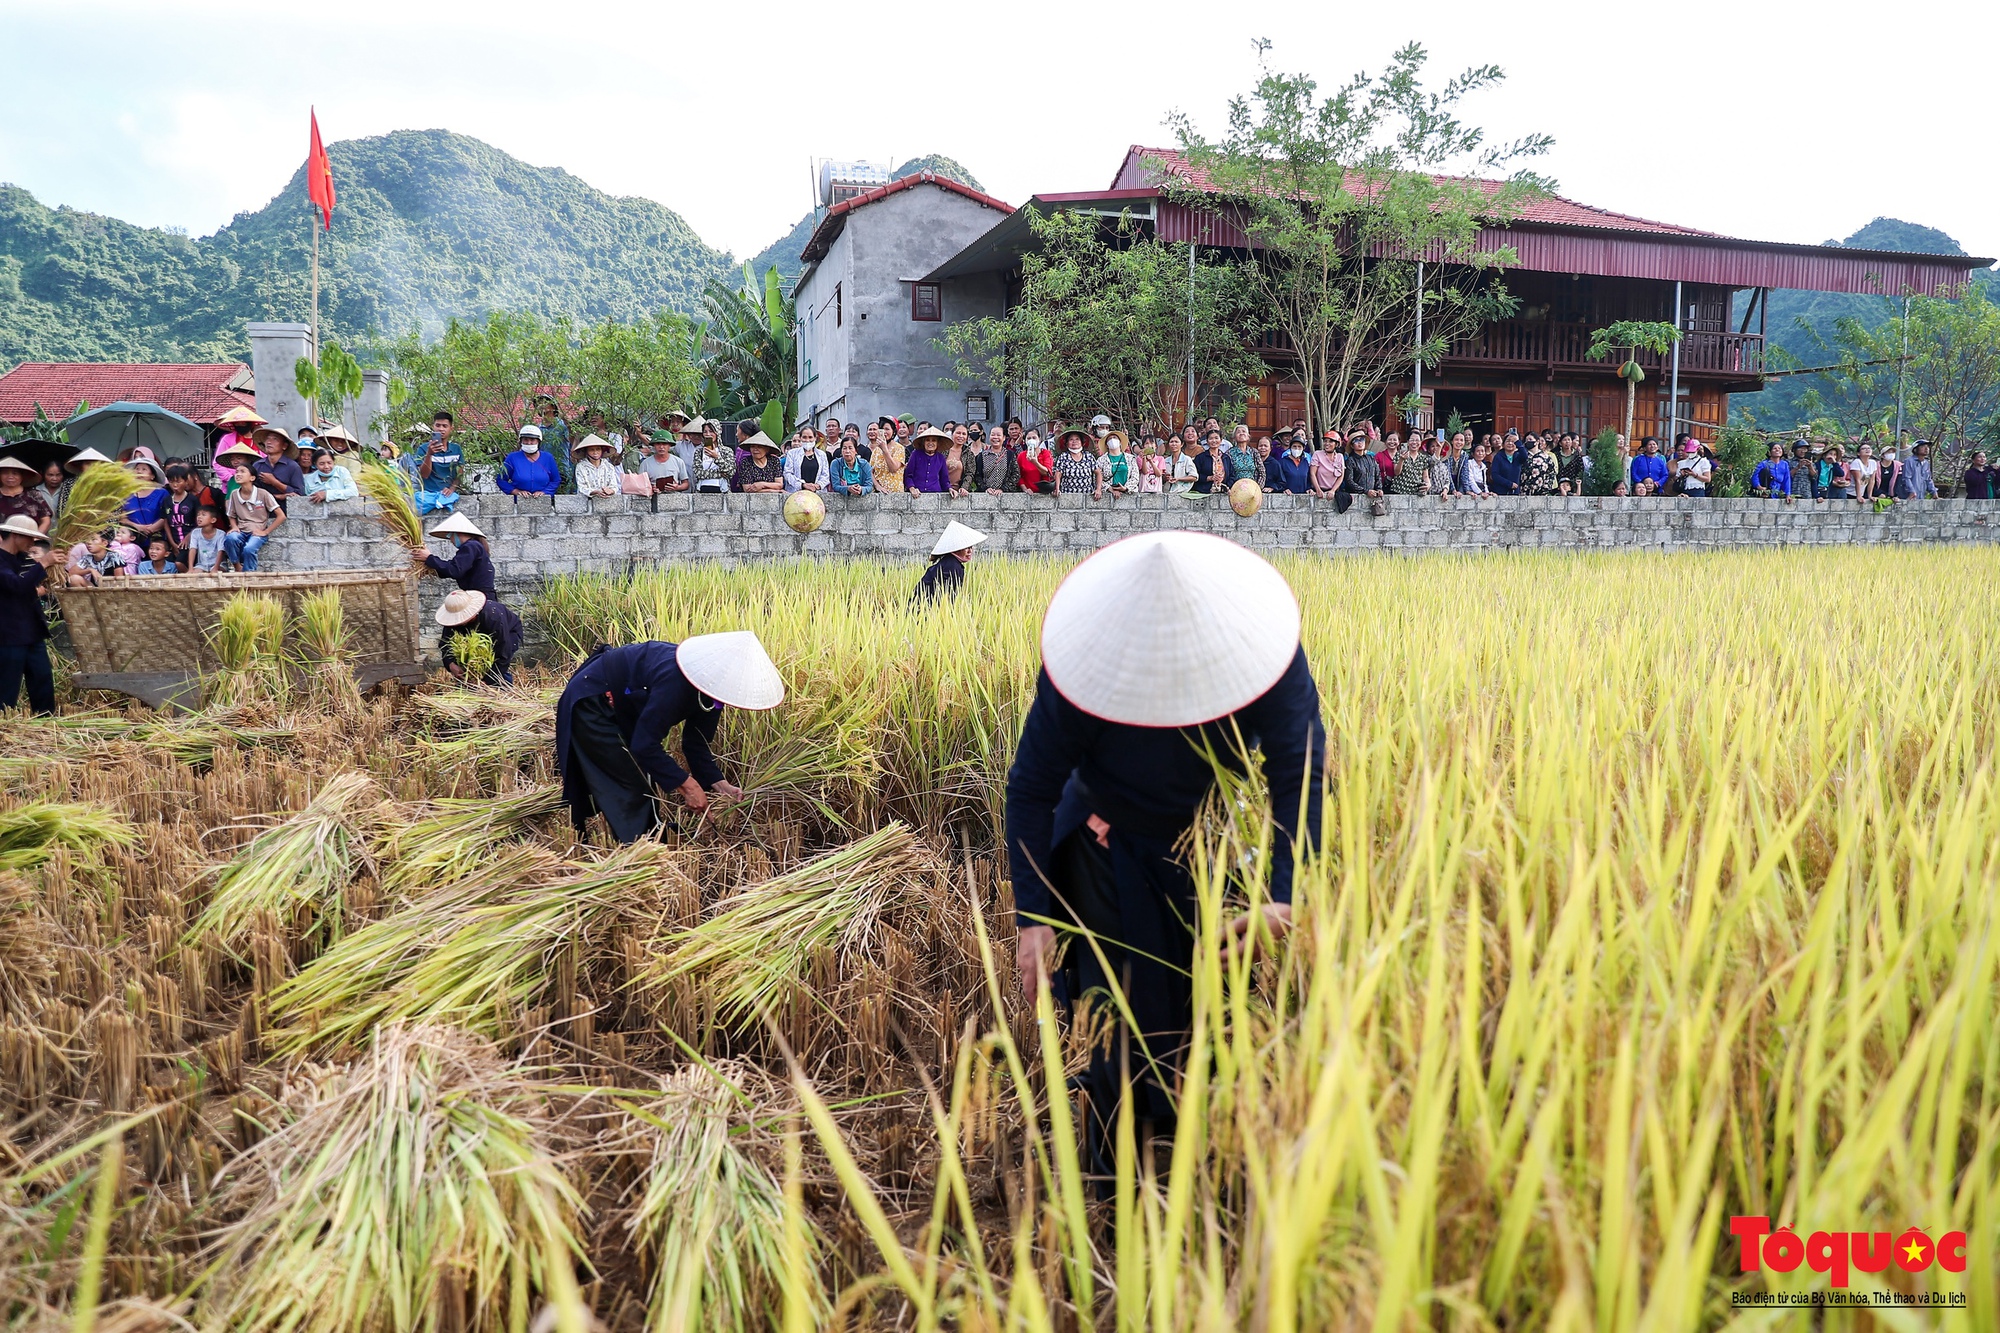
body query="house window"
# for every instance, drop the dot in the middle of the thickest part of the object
(836, 305)
(925, 302)
(1572, 413)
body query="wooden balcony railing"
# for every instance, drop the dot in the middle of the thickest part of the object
(1526, 343)
(1517, 342)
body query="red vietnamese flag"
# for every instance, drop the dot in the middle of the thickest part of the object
(319, 175)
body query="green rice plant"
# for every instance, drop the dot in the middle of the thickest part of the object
(31, 832)
(711, 1219)
(248, 643)
(758, 947)
(472, 955)
(418, 1190)
(454, 836)
(474, 652)
(297, 871)
(388, 487)
(96, 500)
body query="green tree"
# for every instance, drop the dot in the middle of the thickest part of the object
(1738, 449)
(1629, 337)
(1342, 197)
(331, 384)
(1607, 463)
(635, 373)
(749, 351)
(1949, 376)
(1110, 321)
(486, 374)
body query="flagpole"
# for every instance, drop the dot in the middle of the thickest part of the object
(312, 404)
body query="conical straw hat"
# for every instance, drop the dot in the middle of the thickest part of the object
(459, 524)
(461, 607)
(1169, 629)
(957, 537)
(732, 668)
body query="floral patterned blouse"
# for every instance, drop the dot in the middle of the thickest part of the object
(1539, 478)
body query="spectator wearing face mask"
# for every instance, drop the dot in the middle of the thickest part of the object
(807, 466)
(1291, 470)
(528, 470)
(1693, 469)
(1037, 465)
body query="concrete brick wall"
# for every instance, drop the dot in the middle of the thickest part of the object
(533, 539)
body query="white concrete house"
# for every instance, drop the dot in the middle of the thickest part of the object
(867, 317)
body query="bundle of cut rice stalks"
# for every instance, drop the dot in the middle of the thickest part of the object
(474, 654)
(483, 705)
(419, 1190)
(711, 1217)
(475, 955)
(96, 500)
(296, 871)
(395, 508)
(31, 832)
(323, 655)
(248, 643)
(759, 947)
(492, 732)
(189, 740)
(453, 836)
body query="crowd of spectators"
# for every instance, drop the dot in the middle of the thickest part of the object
(1097, 459)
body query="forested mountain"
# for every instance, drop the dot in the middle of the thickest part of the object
(430, 225)
(785, 251)
(1777, 406)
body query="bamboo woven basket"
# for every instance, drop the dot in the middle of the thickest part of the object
(164, 624)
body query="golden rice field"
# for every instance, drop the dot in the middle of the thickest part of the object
(1656, 891)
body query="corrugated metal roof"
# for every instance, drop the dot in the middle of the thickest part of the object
(1552, 209)
(1556, 235)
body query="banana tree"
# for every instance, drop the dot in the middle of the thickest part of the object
(749, 351)
(1630, 337)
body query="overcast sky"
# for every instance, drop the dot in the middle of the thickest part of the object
(1786, 121)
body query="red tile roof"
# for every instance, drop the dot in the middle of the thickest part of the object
(836, 217)
(201, 393)
(1553, 210)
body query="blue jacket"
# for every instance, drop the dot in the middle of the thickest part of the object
(1150, 781)
(1285, 473)
(522, 475)
(1649, 467)
(471, 567)
(1503, 474)
(21, 622)
(649, 698)
(1773, 473)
